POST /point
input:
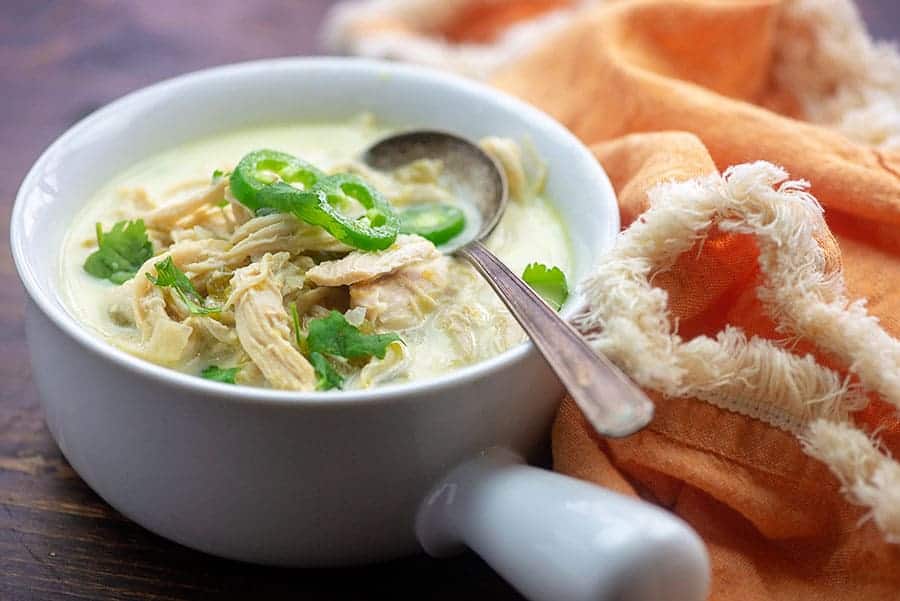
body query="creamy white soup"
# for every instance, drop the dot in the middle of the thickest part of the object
(230, 259)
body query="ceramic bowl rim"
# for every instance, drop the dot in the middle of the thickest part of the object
(383, 394)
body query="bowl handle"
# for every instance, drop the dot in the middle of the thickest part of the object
(557, 538)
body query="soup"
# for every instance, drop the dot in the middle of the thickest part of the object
(254, 267)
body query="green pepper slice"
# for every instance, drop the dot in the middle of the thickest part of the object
(439, 223)
(263, 180)
(261, 170)
(375, 230)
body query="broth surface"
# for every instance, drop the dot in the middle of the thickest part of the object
(467, 323)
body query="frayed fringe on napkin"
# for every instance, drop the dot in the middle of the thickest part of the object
(824, 57)
(842, 79)
(363, 28)
(628, 320)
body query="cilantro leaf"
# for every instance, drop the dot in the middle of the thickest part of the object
(550, 283)
(120, 252)
(220, 374)
(169, 276)
(328, 377)
(333, 335)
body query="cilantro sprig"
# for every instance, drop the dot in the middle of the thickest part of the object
(220, 374)
(327, 377)
(169, 276)
(120, 252)
(549, 282)
(333, 335)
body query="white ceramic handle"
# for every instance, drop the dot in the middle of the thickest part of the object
(555, 538)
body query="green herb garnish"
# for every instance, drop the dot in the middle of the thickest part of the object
(220, 374)
(333, 335)
(169, 276)
(120, 252)
(328, 377)
(549, 282)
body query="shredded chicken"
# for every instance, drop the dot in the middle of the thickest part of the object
(475, 330)
(332, 298)
(257, 272)
(164, 338)
(264, 327)
(276, 233)
(239, 212)
(404, 298)
(213, 329)
(395, 363)
(361, 266)
(166, 216)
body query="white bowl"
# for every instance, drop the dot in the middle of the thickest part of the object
(323, 478)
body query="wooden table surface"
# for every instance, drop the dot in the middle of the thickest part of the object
(59, 61)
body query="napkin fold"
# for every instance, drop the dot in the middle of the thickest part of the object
(755, 292)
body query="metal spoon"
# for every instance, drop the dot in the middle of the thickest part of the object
(613, 404)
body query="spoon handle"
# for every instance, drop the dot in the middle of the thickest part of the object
(613, 404)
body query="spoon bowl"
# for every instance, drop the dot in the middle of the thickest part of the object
(613, 404)
(475, 174)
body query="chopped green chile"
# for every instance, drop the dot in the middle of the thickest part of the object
(439, 223)
(266, 180)
(261, 169)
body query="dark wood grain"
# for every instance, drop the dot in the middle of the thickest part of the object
(58, 61)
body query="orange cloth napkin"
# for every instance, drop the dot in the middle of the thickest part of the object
(671, 90)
